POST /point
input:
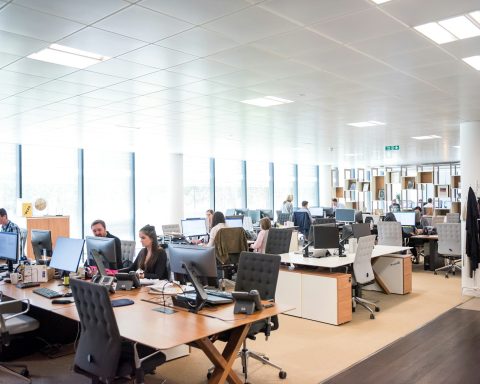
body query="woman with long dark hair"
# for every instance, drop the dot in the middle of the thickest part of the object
(218, 222)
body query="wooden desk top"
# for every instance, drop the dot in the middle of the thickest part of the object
(425, 237)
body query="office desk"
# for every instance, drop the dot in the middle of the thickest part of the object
(431, 259)
(161, 331)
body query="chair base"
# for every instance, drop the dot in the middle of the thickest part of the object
(451, 267)
(23, 375)
(368, 305)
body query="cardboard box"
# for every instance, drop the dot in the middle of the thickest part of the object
(38, 273)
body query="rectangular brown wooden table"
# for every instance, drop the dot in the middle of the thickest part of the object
(139, 322)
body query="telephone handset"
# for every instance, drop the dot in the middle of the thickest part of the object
(107, 281)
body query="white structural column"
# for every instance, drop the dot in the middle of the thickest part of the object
(325, 185)
(470, 177)
(175, 187)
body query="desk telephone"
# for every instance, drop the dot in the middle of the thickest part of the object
(107, 281)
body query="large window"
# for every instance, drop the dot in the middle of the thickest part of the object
(258, 185)
(51, 173)
(108, 191)
(308, 184)
(284, 182)
(228, 184)
(196, 186)
(8, 178)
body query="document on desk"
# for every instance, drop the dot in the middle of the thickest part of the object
(164, 287)
(149, 281)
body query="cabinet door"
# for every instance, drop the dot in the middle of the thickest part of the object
(289, 291)
(319, 298)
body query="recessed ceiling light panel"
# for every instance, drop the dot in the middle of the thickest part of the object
(267, 101)
(473, 61)
(461, 27)
(428, 137)
(436, 32)
(363, 124)
(70, 57)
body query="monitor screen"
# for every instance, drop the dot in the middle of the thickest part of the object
(234, 221)
(241, 212)
(316, 211)
(344, 214)
(194, 227)
(360, 230)
(254, 214)
(266, 213)
(328, 212)
(67, 254)
(201, 260)
(105, 246)
(405, 218)
(325, 237)
(247, 224)
(9, 246)
(41, 240)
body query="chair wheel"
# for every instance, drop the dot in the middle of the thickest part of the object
(453, 273)
(266, 358)
(377, 309)
(434, 272)
(446, 276)
(209, 375)
(24, 372)
(372, 316)
(282, 374)
(353, 309)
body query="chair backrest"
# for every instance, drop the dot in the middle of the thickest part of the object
(426, 221)
(99, 347)
(229, 243)
(128, 250)
(283, 217)
(368, 219)
(302, 221)
(171, 228)
(258, 271)
(449, 239)
(438, 220)
(389, 233)
(453, 217)
(362, 265)
(278, 240)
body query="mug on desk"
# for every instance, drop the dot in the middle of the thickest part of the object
(16, 278)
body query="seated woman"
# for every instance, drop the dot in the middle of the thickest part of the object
(261, 242)
(152, 258)
(218, 222)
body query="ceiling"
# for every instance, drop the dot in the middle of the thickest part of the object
(179, 70)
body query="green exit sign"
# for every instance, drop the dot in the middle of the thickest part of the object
(392, 148)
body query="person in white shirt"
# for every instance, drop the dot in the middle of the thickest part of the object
(218, 222)
(261, 242)
(336, 204)
(287, 206)
(429, 203)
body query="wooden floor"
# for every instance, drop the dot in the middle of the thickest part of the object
(447, 350)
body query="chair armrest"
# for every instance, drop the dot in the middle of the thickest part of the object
(14, 307)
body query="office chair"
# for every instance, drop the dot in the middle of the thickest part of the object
(278, 240)
(258, 271)
(102, 354)
(363, 274)
(229, 243)
(453, 218)
(128, 252)
(389, 233)
(169, 229)
(15, 322)
(449, 247)
(302, 221)
(437, 220)
(283, 217)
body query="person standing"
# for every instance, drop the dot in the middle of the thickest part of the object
(287, 206)
(99, 229)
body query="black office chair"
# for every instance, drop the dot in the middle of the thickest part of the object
(229, 243)
(283, 217)
(278, 240)
(302, 221)
(102, 354)
(259, 271)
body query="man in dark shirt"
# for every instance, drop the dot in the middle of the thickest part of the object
(99, 229)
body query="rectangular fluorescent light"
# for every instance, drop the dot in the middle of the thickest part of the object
(473, 61)
(267, 101)
(461, 27)
(475, 16)
(380, 1)
(436, 32)
(456, 146)
(70, 57)
(363, 124)
(429, 137)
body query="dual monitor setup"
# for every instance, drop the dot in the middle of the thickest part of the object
(197, 227)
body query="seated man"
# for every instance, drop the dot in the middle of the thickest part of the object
(99, 229)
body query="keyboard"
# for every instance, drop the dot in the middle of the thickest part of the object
(224, 294)
(27, 285)
(211, 299)
(48, 293)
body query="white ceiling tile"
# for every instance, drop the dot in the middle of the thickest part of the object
(250, 24)
(85, 11)
(157, 57)
(85, 101)
(310, 11)
(240, 79)
(331, 59)
(27, 22)
(136, 87)
(464, 48)
(7, 58)
(205, 87)
(66, 87)
(44, 95)
(173, 94)
(92, 79)
(194, 11)
(245, 57)
(143, 24)
(167, 79)
(21, 79)
(109, 94)
(435, 71)
(20, 45)
(39, 68)
(101, 42)
(198, 41)
(203, 68)
(419, 58)
(121, 68)
(282, 68)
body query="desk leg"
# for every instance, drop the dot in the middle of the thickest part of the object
(224, 362)
(379, 280)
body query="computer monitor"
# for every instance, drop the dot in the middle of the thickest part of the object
(254, 214)
(325, 237)
(360, 230)
(328, 212)
(67, 254)
(194, 227)
(405, 218)
(198, 263)
(345, 215)
(266, 213)
(234, 221)
(241, 212)
(247, 224)
(327, 224)
(105, 246)
(41, 242)
(316, 211)
(9, 248)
